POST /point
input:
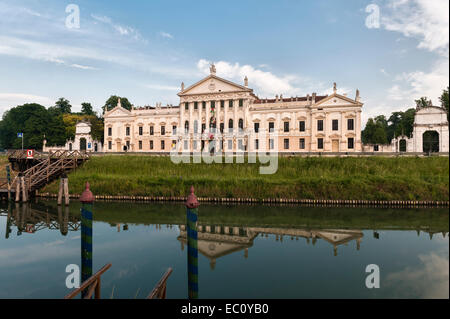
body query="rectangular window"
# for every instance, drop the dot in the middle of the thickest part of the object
(350, 143)
(174, 129)
(140, 145)
(222, 104)
(256, 127)
(286, 127)
(152, 130)
(163, 130)
(174, 144)
(110, 145)
(302, 126)
(204, 105)
(162, 145)
(271, 144)
(230, 144)
(203, 127)
(195, 145)
(240, 145)
(350, 124)
(195, 105)
(127, 130)
(320, 143)
(186, 144)
(128, 145)
(241, 102)
(222, 126)
(302, 144)
(109, 131)
(151, 145)
(375, 148)
(230, 104)
(141, 130)
(286, 143)
(256, 144)
(271, 127)
(320, 125)
(335, 125)
(186, 106)
(213, 104)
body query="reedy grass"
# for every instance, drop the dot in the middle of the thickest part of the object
(369, 178)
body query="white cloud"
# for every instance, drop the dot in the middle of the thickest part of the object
(162, 87)
(8, 100)
(83, 67)
(425, 20)
(430, 279)
(166, 35)
(121, 29)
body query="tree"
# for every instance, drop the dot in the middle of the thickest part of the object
(86, 108)
(423, 102)
(63, 105)
(444, 102)
(112, 103)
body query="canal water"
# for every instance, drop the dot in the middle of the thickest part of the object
(244, 251)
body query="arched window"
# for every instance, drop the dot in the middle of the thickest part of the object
(241, 125)
(186, 127)
(230, 125)
(402, 145)
(195, 126)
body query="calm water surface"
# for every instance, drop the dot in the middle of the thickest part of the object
(244, 251)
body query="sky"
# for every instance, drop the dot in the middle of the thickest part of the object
(393, 51)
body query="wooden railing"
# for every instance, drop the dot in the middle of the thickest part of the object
(93, 284)
(159, 292)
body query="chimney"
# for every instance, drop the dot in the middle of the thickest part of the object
(357, 98)
(246, 81)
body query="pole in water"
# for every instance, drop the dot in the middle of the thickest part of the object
(87, 200)
(192, 249)
(8, 176)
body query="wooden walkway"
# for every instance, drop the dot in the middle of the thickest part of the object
(42, 169)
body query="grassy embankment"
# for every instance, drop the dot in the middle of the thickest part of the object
(370, 178)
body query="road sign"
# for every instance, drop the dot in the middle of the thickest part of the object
(20, 135)
(30, 154)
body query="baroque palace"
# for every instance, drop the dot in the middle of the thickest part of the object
(215, 114)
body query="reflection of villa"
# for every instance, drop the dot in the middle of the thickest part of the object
(217, 241)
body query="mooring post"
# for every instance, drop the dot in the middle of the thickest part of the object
(60, 191)
(24, 189)
(192, 249)
(8, 177)
(66, 191)
(87, 200)
(18, 182)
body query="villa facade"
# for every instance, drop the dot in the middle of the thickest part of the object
(218, 115)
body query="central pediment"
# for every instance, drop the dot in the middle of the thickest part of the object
(213, 84)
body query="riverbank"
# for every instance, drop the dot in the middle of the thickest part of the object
(300, 178)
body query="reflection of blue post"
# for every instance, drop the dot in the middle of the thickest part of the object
(87, 199)
(192, 250)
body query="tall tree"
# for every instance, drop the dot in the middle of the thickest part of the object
(63, 105)
(444, 102)
(87, 109)
(112, 103)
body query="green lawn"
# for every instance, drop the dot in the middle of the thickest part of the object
(369, 178)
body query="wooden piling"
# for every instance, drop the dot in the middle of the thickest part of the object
(66, 191)
(24, 189)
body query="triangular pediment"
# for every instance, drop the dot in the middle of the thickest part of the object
(118, 111)
(213, 84)
(338, 100)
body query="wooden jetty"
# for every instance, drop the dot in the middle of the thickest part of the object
(29, 174)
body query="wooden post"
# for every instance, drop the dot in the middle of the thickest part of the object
(87, 200)
(8, 176)
(60, 191)
(18, 181)
(66, 191)
(24, 190)
(191, 237)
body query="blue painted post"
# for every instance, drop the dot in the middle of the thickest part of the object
(192, 250)
(87, 200)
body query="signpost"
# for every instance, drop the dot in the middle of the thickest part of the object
(20, 135)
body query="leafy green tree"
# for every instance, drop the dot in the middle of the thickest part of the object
(63, 105)
(87, 109)
(444, 102)
(112, 103)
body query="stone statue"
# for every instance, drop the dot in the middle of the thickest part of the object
(182, 86)
(334, 87)
(212, 69)
(246, 81)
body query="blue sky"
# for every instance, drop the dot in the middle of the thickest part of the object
(144, 49)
